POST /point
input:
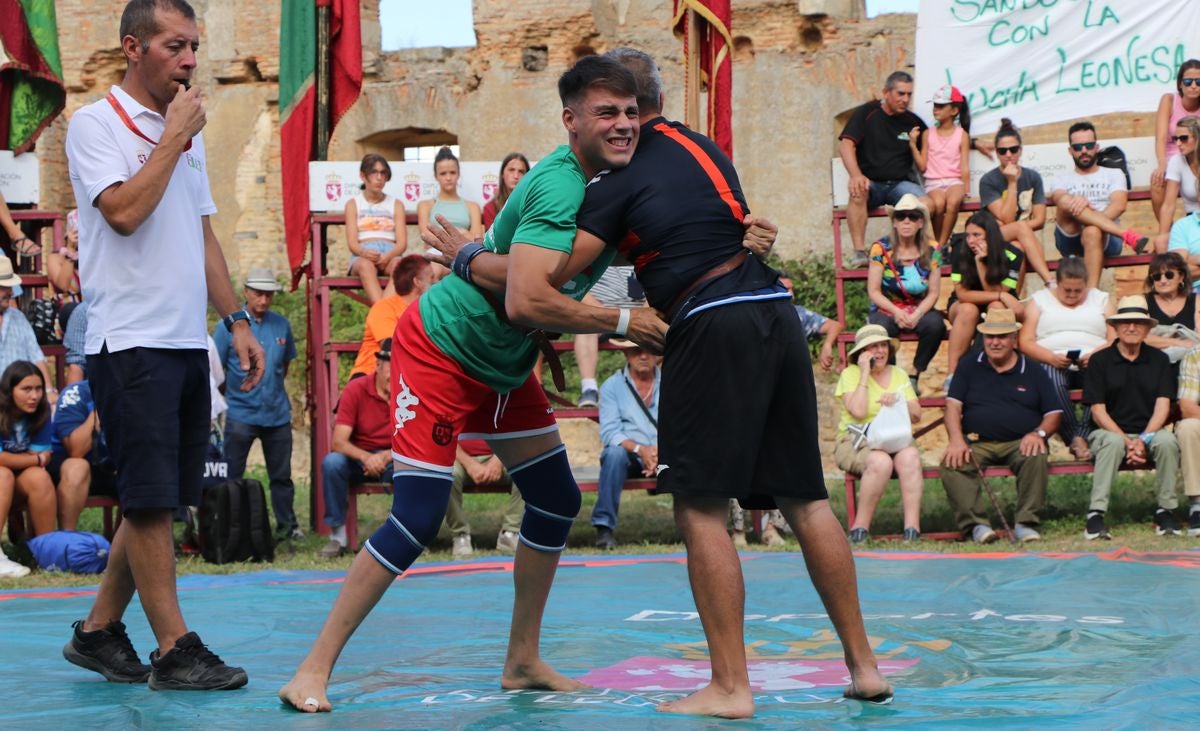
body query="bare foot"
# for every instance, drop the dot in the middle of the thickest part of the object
(712, 701)
(869, 686)
(306, 692)
(538, 676)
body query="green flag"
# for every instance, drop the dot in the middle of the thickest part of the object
(32, 92)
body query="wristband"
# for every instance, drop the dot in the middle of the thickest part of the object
(1147, 437)
(623, 322)
(462, 260)
(233, 317)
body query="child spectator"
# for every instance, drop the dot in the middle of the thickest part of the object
(464, 214)
(375, 227)
(903, 282)
(942, 155)
(512, 169)
(25, 438)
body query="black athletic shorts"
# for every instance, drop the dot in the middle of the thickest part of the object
(738, 416)
(154, 408)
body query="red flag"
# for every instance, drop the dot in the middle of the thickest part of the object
(716, 66)
(298, 100)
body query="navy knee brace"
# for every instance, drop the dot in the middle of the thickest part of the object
(551, 499)
(418, 505)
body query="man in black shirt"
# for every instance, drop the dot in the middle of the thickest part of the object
(875, 148)
(999, 410)
(1130, 386)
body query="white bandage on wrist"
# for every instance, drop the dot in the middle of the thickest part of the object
(622, 322)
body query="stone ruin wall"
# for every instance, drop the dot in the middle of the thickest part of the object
(799, 67)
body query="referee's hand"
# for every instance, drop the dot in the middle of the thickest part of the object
(760, 236)
(647, 330)
(250, 354)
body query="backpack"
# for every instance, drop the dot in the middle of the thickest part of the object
(1114, 157)
(70, 550)
(234, 525)
(43, 318)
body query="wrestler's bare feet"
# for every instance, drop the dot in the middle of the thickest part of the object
(870, 686)
(537, 676)
(306, 692)
(713, 701)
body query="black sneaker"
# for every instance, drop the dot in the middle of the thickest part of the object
(107, 651)
(190, 665)
(1165, 523)
(1194, 523)
(1096, 528)
(605, 538)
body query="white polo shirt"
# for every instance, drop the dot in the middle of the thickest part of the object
(147, 289)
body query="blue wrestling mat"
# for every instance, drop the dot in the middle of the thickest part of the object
(979, 641)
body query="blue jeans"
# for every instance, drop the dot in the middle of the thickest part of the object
(616, 465)
(338, 472)
(889, 192)
(277, 452)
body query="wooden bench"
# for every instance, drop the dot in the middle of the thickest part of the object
(20, 525)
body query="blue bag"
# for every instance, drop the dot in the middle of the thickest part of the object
(71, 550)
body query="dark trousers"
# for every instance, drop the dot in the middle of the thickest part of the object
(277, 451)
(930, 330)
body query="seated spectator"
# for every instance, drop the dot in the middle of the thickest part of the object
(628, 433)
(17, 341)
(816, 326)
(62, 269)
(512, 168)
(1173, 107)
(464, 214)
(867, 384)
(73, 342)
(1130, 388)
(1063, 327)
(617, 287)
(942, 154)
(1172, 303)
(1187, 431)
(999, 411)
(79, 462)
(904, 280)
(1180, 178)
(25, 437)
(875, 149)
(1089, 201)
(989, 273)
(18, 242)
(376, 228)
(361, 445)
(1015, 195)
(412, 276)
(476, 465)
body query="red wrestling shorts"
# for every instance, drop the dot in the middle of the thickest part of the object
(436, 402)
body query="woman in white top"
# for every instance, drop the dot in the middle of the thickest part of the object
(375, 228)
(1183, 170)
(1063, 326)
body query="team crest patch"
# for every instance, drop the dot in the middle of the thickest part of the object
(405, 400)
(443, 432)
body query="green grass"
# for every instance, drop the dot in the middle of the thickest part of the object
(647, 526)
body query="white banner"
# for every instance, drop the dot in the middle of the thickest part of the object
(331, 184)
(1039, 61)
(19, 177)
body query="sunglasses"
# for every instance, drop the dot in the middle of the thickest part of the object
(1009, 150)
(1181, 138)
(1081, 146)
(1159, 276)
(908, 216)
(1190, 82)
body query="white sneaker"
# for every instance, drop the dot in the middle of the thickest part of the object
(1025, 533)
(10, 569)
(506, 542)
(462, 546)
(983, 534)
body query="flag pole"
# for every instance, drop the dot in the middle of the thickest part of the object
(691, 113)
(322, 141)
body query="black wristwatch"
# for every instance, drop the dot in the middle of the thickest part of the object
(233, 317)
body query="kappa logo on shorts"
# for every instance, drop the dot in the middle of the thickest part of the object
(404, 401)
(443, 432)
